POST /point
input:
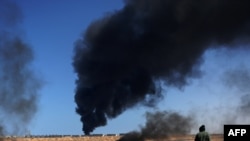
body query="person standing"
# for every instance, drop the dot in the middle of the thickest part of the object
(202, 135)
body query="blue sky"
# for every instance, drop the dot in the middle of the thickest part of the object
(52, 27)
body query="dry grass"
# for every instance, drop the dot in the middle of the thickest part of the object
(106, 138)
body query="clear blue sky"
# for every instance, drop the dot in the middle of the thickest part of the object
(52, 26)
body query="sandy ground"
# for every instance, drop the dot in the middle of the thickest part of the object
(104, 138)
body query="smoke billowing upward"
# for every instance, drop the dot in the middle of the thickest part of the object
(161, 125)
(18, 83)
(121, 56)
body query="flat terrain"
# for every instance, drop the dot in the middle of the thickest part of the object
(103, 138)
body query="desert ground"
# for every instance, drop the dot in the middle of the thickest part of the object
(214, 137)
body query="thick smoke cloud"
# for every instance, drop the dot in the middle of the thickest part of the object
(18, 83)
(161, 125)
(121, 56)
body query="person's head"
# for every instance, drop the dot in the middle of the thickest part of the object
(202, 128)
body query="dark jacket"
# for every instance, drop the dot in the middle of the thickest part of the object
(202, 136)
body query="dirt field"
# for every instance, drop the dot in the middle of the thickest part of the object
(103, 138)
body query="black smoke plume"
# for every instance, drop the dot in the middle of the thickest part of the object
(121, 56)
(161, 125)
(18, 83)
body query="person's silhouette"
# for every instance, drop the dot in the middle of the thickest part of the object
(202, 135)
